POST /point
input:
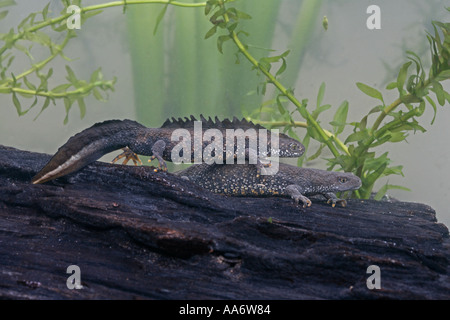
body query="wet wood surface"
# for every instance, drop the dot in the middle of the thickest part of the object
(137, 234)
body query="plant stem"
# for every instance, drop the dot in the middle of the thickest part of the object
(394, 105)
(46, 23)
(381, 132)
(280, 87)
(41, 64)
(51, 94)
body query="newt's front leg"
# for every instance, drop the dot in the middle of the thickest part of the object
(294, 193)
(128, 155)
(331, 198)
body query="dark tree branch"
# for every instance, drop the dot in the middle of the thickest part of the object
(139, 234)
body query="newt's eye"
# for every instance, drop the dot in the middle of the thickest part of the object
(343, 180)
(294, 147)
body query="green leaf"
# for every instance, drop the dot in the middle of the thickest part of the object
(29, 84)
(394, 170)
(17, 104)
(89, 14)
(232, 26)
(340, 118)
(383, 190)
(14, 79)
(243, 15)
(392, 186)
(443, 75)
(371, 178)
(159, 18)
(45, 11)
(381, 140)
(281, 108)
(397, 136)
(320, 94)
(282, 67)
(381, 193)
(33, 104)
(317, 153)
(430, 101)
(44, 106)
(391, 86)
(208, 7)
(401, 78)
(82, 107)
(211, 32)
(5, 3)
(96, 75)
(67, 104)
(439, 91)
(302, 109)
(61, 88)
(420, 109)
(372, 92)
(71, 75)
(416, 60)
(24, 50)
(217, 14)
(357, 136)
(97, 95)
(285, 54)
(220, 41)
(313, 133)
(265, 63)
(3, 14)
(363, 123)
(305, 142)
(319, 110)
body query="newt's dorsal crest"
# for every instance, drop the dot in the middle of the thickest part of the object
(209, 123)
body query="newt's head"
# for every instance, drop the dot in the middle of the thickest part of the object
(344, 181)
(322, 181)
(287, 147)
(291, 149)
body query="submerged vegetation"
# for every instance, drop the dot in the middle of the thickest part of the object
(388, 121)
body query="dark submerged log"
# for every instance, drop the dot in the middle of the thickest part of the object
(139, 234)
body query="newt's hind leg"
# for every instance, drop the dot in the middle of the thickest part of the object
(128, 155)
(157, 151)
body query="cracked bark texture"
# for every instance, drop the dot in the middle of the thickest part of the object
(139, 234)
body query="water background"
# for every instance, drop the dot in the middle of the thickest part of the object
(345, 54)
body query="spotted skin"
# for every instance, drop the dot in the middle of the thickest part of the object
(289, 181)
(92, 143)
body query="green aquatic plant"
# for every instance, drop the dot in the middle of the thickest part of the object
(197, 79)
(384, 123)
(355, 152)
(168, 55)
(19, 84)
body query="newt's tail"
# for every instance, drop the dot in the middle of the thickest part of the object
(88, 146)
